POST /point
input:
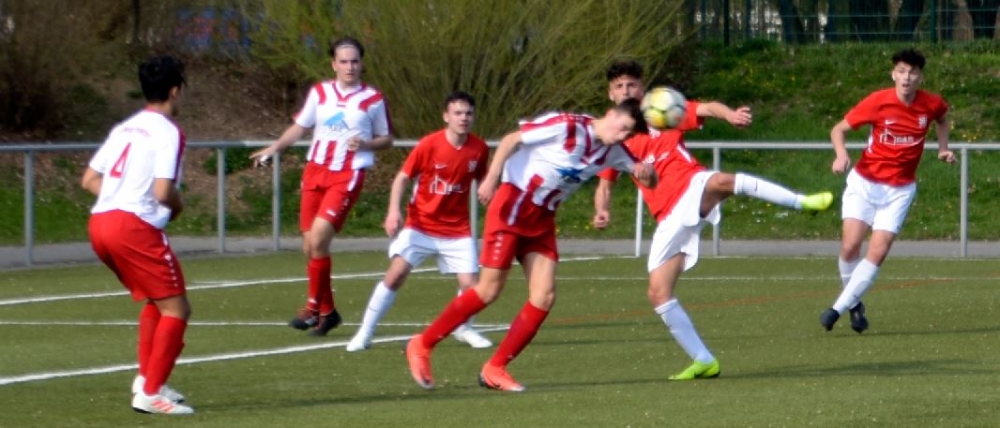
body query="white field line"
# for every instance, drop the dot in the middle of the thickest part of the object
(35, 377)
(216, 285)
(211, 324)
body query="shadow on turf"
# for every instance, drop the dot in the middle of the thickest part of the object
(919, 367)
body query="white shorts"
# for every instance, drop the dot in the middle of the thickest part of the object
(454, 255)
(881, 206)
(680, 231)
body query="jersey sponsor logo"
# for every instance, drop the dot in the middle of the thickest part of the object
(899, 140)
(922, 121)
(439, 186)
(570, 175)
(651, 159)
(336, 122)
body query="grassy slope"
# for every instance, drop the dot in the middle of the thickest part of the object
(797, 94)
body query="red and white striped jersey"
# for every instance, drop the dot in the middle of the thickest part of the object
(559, 152)
(139, 150)
(337, 116)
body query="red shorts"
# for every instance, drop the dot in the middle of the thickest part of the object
(515, 227)
(328, 195)
(138, 254)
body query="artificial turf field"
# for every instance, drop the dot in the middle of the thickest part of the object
(931, 357)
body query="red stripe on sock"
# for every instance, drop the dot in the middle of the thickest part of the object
(522, 330)
(457, 312)
(149, 317)
(168, 341)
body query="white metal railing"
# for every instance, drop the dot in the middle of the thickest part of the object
(717, 147)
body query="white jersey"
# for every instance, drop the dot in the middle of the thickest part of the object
(139, 150)
(338, 116)
(559, 152)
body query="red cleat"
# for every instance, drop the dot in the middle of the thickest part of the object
(419, 359)
(497, 378)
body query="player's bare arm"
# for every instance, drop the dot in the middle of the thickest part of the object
(165, 191)
(742, 117)
(838, 136)
(645, 175)
(602, 203)
(943, 134)
(292, 134)
(508, 145)
(394, 215)
(381, 142)
(92, 181)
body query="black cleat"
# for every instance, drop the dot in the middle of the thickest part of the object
(859, 322)
(326, 323)
(305, 320)
(828, 318)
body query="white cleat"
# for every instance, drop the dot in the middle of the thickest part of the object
(359, 343)
(158, 404)
(471, 337)
(166, 391)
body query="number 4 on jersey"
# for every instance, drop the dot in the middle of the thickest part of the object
(119, 167)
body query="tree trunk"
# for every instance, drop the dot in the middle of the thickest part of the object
(907, 20)
(791, 24)
(869, 19)
(984, 17)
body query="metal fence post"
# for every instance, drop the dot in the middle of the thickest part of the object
(276, 201)
(29, 208)
(716, 236)
(963, 210)
(220, 221)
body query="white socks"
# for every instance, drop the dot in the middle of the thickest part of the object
(378, 305)
(682, 329)
(861, 280)
(846, 269)
(762, 189)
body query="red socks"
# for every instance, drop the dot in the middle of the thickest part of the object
(522, 330)
(168, 340)
(148, 319)
(320, 291)
(457, 312)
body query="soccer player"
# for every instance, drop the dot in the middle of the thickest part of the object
(687, 198)
(443, 164)
(135, 175)
(881, 187)
(350, 122)
(543, 162)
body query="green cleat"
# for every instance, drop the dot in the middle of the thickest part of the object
(699, 371)
(817, 201)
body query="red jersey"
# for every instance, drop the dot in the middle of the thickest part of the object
(898, 133)
(674, 165)
(443, 179)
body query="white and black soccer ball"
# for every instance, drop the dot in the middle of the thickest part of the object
(664, 107)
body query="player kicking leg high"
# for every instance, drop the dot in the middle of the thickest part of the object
(444, 165)
(135, 175)
(542, 164)
(687, 198)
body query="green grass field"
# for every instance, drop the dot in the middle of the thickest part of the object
(930, 359)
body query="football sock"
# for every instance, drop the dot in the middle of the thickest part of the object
(148, 319)
(762, 189)
(167, 345)
(378, 305)
(522, 330)
(846, 269)
(861, 280)
(457, 312)
(319, 280)
(682, 329)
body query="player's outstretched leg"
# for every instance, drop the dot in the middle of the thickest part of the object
(705, 366)
(380, 302)
(746, 184)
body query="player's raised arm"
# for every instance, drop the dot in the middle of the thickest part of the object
(508, 145)
(943, 133)
(741, 117)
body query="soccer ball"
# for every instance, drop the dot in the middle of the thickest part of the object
(664, 107)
